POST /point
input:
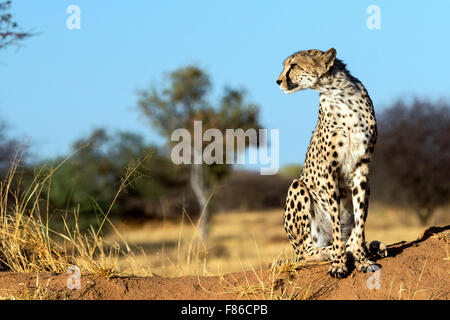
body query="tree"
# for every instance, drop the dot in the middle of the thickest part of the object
(183, 101)
(412, 156)
(10, 33)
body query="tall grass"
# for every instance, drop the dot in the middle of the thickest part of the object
(28, 244)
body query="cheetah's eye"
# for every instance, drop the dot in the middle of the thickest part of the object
(293, 65)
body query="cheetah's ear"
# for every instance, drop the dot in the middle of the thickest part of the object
(326, 61)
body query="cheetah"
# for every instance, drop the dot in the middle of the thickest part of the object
(326, 208)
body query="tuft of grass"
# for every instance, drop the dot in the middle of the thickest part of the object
(25, 243)
(28, 244)
(280, 282)
(276, 284)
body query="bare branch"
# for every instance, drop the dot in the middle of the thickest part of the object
(10, 33)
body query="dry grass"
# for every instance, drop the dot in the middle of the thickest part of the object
(280, 283)
(27, 244)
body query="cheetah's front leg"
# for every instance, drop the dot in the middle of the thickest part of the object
(338, 268)
(360, 199)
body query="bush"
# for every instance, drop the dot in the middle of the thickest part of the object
(412, 156)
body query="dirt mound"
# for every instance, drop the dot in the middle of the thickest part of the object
(411, 270)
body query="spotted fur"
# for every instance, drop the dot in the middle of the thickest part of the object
(326, 208)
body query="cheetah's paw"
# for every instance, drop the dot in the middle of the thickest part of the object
(337, 270)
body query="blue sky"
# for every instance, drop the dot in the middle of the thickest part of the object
(64, 83)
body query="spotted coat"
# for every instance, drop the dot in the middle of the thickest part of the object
(326, 208)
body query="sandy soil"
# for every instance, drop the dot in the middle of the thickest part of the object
(412, 270)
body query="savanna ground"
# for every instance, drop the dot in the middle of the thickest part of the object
(166, 260)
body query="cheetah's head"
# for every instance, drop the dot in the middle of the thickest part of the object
(303, 69)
